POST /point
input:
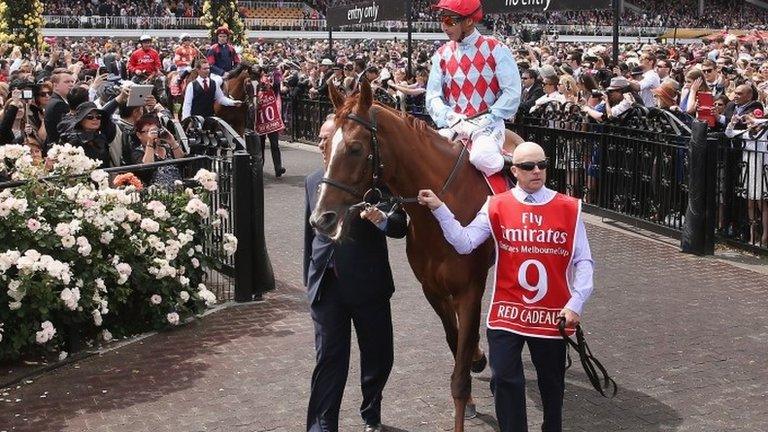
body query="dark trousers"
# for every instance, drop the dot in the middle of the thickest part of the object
(333, 316)
(508, 381)
(274, 148)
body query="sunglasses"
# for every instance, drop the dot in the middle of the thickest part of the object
(45, 94)
(93, 117)
(529, 166)
(707, 70)
(450, 20)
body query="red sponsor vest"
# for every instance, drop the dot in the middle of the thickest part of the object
(268, 116)
(534, 250)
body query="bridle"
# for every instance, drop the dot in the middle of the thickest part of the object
(590, 364)
(373, 196)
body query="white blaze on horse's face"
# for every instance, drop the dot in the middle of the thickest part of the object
(336, 141)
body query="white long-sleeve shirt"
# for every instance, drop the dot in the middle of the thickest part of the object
(466, 239)
(219, 96)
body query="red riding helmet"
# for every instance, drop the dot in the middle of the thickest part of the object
(464, 8)
(223, 29)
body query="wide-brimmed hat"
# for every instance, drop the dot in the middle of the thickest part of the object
(83, 110)
(326, 62)
(618, 83)
(668, 91)
(145, 38)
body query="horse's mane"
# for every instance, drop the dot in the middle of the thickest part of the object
(416, 124)
(235, 73)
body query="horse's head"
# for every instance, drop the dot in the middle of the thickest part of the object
(349, 173)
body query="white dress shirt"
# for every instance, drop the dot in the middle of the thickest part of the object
(219, 96)
(466, 239)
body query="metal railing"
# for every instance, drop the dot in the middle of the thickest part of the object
(192, 23)
(742, 190)
(578, 29)
(635, 168)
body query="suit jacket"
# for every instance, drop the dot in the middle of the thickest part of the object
(526, 103)
(730, 110)
(55, 111)
(361, 261)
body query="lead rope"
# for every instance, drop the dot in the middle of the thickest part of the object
(588, 361)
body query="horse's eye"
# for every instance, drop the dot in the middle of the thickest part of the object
(355, 149)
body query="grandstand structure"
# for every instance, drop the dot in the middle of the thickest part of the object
(644, 19)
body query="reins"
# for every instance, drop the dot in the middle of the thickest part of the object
(374, 195)
(588, 361)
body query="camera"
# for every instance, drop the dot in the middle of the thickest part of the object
(729, 70)
(27, 94)
(597, 94)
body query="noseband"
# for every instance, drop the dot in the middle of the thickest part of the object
(374, 195)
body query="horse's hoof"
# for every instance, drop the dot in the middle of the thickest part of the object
(479, 365)
(470, 411)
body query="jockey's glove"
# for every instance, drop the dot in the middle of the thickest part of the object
(453, 118)
(468, 127)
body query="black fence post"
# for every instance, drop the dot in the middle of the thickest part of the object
(264, 277)
(694, 238)
(244, 227)
(710, 224)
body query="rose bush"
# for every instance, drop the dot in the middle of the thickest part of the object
(81, 259)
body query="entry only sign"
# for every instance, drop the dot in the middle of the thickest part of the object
(511, 6)
(366, 12)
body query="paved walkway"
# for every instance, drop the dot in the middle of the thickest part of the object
(684, 337)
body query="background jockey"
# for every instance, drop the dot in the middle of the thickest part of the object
(222, 55)
(184, 54)
(145, 60)
(488, 83)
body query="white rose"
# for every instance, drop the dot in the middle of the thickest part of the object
(184, 281)
(33, 225)
(106, 335)
(62, 229)
(222, 213)
(230, 244)
(184, 296)
(106, 237)
(84, 248)
(16, 305)
(68, 241)
(149, 225)
(195, 263)
(99, 177)
(173, 318)
(63, 355)
(155, 299)
(97, 320)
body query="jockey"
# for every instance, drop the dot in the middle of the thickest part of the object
(222, 55)
(472, 75)
(145, 60)
(184, 54)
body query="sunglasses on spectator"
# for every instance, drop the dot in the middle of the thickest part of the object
(451, 20)
(45, 94)
(93, 117)
(707, 70)
(529, 166)
(150, 131)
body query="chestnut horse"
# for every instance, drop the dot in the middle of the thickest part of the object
(376, 145)
(237, 86)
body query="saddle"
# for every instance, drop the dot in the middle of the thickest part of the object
(503, 180)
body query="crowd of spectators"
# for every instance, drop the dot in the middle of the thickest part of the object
(654, 13)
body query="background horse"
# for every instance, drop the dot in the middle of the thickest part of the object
(238, 86)
(407, 155)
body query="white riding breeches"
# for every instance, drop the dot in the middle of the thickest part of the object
(487, 145)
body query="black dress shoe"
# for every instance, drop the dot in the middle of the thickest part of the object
(373, 428)
(279, 172)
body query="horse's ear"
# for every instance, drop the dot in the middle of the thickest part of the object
(336, 97)
(366, 96)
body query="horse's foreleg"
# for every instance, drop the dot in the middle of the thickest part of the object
(468, 311)
(444, 309)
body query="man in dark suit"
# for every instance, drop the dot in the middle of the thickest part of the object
(63, 81)
(532, 90)
(743, 103)
(349, 283)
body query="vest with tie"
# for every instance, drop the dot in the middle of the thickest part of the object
(534, 249)
(202, 100)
